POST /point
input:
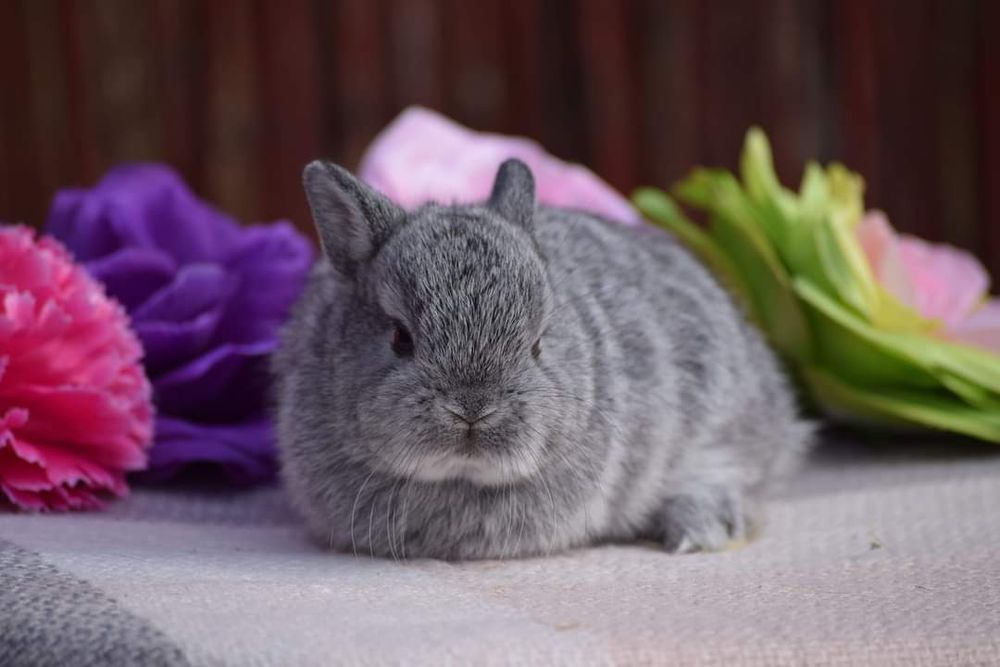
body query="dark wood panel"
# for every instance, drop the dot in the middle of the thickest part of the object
(954, 78)
(177, 30)
(77, 52)
(19, 155)
(729, 79)
(669, 100)
(47, 102)
(417, 55)
(855, 131)
(475, 68)
(288, 71)
(988, 117)
(238, 94)
(903, 53)
(608, 65)
(524, 47)
(564, 110)
(355, 86)
(231, 111)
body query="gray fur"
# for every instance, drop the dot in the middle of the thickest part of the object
(513, 195)
(652, 410)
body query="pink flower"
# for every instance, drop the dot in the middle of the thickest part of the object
(75, 409)
(940, 282)
(423, 156)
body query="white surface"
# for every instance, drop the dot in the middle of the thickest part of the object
(866, 559)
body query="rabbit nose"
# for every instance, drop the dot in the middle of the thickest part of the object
(470, 417)
(470, 408)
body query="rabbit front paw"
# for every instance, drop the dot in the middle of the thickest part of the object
(711, 520)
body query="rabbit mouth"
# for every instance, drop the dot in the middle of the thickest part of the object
(471, 464)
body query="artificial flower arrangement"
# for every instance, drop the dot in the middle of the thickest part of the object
(206, 298)
(173, 308)
(75, 411)
(879, 328)
(170, 308)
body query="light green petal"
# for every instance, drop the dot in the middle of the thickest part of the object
(814, 233)
(657, 206)
(969, 364)
(891, 314)
(847, 189)
(973, 394)
(867, 356)
(858, 352)
(843, 269)
(735, 231)
(900, 407)
(841, 254)
(814, 201)
(757, 167)
(699, 187)
(776, 207)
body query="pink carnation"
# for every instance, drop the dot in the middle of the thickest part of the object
(75, 409)
(940, 282)
(423, 156)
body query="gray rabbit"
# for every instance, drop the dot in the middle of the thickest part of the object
(507, 379)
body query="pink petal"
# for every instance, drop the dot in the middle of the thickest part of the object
(75, 410)
(83, 419)
(981, 328)
(948, 282)
(881, 246)
(21, 474)
(423, 156)
(939, 281)
(28, 500)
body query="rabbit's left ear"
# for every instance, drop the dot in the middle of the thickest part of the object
(513, 194)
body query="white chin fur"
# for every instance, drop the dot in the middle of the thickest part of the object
(479, 470)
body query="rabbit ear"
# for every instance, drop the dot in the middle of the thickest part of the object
(513, 194)
(353, 220)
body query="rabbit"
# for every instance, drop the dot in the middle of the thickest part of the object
(506, 379)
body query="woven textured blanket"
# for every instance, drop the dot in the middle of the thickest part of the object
(880, 558)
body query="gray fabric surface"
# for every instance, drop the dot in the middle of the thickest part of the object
(48, 617)
(872, 556)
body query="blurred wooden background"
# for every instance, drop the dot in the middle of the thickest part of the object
(239, 94)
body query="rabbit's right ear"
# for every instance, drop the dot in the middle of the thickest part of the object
(353, 220)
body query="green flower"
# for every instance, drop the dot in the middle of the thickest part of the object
(795, 262)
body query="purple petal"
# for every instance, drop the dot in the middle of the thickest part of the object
(77, 219)
(142, 205)
(225, 384)
(206, 297)
(273, 262)
(167, 344)
(131, 275)
(244, 452)
(180, 321)
(197, 288)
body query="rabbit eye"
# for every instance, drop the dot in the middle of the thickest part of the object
(536, 349)
(402, 341)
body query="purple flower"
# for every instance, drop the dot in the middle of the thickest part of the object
(206, 297)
